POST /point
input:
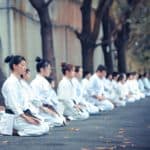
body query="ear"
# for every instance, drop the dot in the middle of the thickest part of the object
(14, 66)
(41, 70)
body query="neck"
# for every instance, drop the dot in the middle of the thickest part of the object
(16, 75)
(68, 77)
(41, 74)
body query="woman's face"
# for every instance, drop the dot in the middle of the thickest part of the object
(80, 73)
(70, 74)
(27, 76)
(46, 71)
(20, 68)
(110, 77)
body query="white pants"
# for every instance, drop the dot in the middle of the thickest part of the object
(53, 121)
(103, 105)
(74, 113)
(26, 129)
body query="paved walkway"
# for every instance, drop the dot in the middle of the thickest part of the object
(123, 128)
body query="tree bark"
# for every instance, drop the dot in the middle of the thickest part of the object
(106, 42)
(122, 38)
(2, 79)
(88, 36)
(46, 31)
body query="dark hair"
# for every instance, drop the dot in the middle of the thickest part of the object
(108, 74)
(129, 74)
(41, 63)
(27, 71)
(85, 73)
(145, 74)
(134, 73)
(121, 77)
(49, 79)
(115, 74)
(77, 68)
(140, 76)
(101, 68)
(66, 67)
(14, 60)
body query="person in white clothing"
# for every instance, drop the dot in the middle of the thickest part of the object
(146, 82)
(57, 104)
(80, 93)
(122, 91)
(111, 93)
(131, 87)
(95, 90)
(85, 82)
(41, 88)
(66, 94)
(141, 85)
(25, 122)
(135, 86)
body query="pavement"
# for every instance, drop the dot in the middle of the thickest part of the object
(124, 128)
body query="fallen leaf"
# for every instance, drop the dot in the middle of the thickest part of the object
(85, 149)
(66, 137)
(119, 136)
(122, 129)
(4, 142)
(100, 148)
(123, 146)
(101, 137)
(74, 129)
(127, 142)
(104, 148)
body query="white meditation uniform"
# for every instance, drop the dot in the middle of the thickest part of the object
(79, 94)
(130, 86)
(41, 89)
(141, 87)
(126, 90)
(57, 104)
(136, 89)
(85, 83)
(66, 94)
(123, 92)
(96, 88)
(146, 83)
(14, 100)
(111, 93)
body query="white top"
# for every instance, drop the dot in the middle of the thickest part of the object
(122, 90)
(146, 83)
(66, 90)
(141, 85)
(41, 89)
(12, 91)
(78, 87)
(96, 86)
(85, 83)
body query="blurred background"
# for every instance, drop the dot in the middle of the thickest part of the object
(115, 33)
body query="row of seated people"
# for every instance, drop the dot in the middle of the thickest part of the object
(37, 107)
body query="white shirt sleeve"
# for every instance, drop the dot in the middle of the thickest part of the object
(12, 98)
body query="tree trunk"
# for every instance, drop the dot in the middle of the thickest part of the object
(120, 45)
(121, 58)
(88, 36)
(106, 43)
(41, 7)
(47, 37)
(87, 57)
(2, 79)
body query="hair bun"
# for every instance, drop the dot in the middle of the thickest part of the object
(8, 59)
(38, 59)
(63, 64)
